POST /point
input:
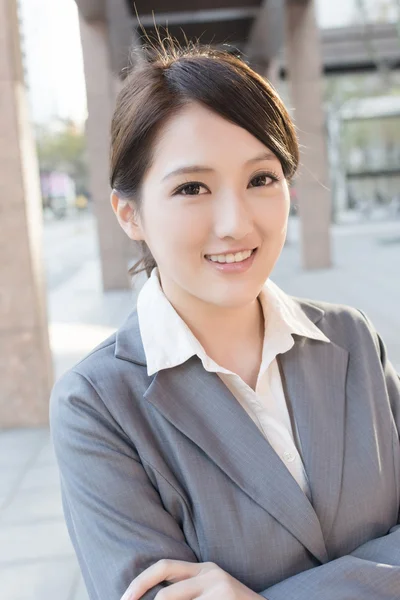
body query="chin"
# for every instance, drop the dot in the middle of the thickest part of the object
(235, 298)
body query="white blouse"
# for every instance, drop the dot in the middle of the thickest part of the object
(168, 342)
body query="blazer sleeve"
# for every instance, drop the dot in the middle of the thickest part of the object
(372, 571)
(115, 516)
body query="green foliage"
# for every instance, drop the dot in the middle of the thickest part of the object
(63, 148)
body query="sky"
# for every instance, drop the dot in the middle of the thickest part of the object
(53, 59)
(53, 55)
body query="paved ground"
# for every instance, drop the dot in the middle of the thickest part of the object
(36, 558)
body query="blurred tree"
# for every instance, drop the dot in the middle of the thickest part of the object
(63, 148)
(375, 11)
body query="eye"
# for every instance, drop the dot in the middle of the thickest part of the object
(263, 180)
(193, 188)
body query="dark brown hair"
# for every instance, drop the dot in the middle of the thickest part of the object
(161, 82)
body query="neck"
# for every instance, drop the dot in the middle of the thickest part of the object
(232, 337)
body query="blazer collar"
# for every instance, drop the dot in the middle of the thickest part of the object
(128, 341)
(168, 341)
(129, 344)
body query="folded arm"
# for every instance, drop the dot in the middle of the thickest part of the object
(114, 514)
(370, 572)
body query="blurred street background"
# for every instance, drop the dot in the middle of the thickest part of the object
(63, 260)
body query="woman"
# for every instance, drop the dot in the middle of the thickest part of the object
(229, 441)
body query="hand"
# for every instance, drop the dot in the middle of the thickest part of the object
(191, 581)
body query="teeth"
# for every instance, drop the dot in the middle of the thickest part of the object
(230, 258)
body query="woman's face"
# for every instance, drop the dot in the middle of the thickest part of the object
(214, 210)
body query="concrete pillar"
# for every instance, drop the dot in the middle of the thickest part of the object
(25, 360)
(304, 65)
(272, 73)
(101, 88)
(265, 38)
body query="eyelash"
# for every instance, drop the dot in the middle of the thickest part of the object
(271, 174)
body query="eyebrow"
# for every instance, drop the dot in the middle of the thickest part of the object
(203, 169)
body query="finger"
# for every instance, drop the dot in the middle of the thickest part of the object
(163, 570)
(183, 590)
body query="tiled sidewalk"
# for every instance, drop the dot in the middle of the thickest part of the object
(36, 557)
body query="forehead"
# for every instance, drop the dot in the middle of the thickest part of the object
(198, 134)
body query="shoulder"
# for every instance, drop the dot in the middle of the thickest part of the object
(88, 408)
(344, 325)
(77, 390)
(88, 372)
(105, 382)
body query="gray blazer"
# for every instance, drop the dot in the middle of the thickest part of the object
(171, 466)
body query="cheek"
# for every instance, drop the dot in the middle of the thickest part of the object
(172, 227)
(274, 215)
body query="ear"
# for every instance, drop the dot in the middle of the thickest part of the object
(127, 217)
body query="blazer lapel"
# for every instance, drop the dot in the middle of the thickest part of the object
(217, 423)
(203, 409)
(318, 405)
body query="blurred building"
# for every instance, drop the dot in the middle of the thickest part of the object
(370, 149)
(58, 192)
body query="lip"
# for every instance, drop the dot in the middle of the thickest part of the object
(235, 267)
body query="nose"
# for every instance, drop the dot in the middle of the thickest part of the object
(233, 218)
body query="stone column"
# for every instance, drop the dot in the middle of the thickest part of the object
(272, 73)
(303, 51)
(25, 360)
(101, 89)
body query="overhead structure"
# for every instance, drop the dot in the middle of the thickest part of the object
(254, 27)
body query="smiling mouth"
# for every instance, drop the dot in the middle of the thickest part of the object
(237, 257)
